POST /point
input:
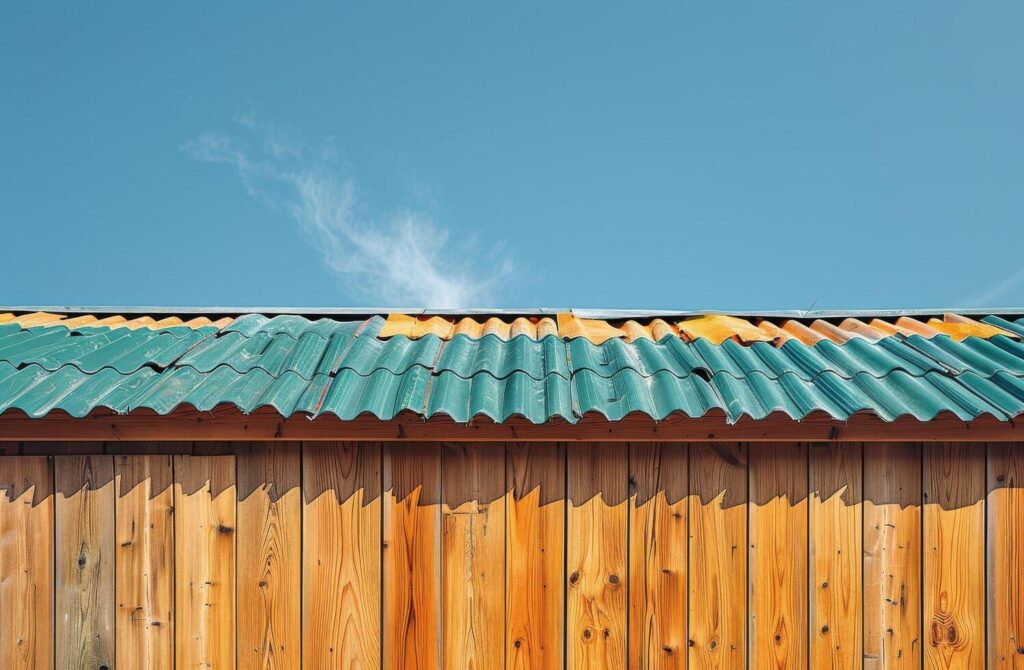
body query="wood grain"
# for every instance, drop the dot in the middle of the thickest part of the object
(954, 556)
(204, 557)
(596, 556)
(26, 562)
(144, 561)
(269, 564)
(658, 512)
(412, 556)
(341, 555)
(892, 557)
(535, 556)
(778, 557)
(718, 556)
(84, 530)
(1005, 533)
(836, 553)
(473, 555)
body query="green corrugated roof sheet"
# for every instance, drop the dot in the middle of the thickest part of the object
(328, 366)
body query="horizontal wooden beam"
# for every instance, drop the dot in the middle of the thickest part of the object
(230, 424)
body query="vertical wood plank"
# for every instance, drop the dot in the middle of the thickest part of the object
(84, 531)
(954, 556)
(144, 561)
(204, 548)
(26, 562)
(596, 556)
(342, 555)
(892, 556)
(778, 556)
(718, 556)
(269, 564)
(658, 510)
(473, 555)
(535, 558)
(412, 556)
(836, 549)
(1006, 556)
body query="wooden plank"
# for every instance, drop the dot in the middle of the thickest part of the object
(412, 556)
(26, 562)
(473, 555)
(144, 561)
(596, 556)
(954, 556)
(535, 556)
(1006, 556)
(658, 512)
(227, 423)
(204, 557)
(718, 556)
(892, 557)
(269, 564)
(84, 531)
(836, 553)
(778, 557)
(341, 588)
(1005, 566)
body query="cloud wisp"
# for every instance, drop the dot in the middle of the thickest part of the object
(997, 291)
(401, 259)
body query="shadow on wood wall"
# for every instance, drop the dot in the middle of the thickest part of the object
(949, 475)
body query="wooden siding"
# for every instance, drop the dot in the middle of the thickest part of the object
(512, 556)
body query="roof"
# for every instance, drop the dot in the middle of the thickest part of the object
(536, 364)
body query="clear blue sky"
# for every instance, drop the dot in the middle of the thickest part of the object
(690, 155)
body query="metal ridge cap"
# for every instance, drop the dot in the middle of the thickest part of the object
(599, 313)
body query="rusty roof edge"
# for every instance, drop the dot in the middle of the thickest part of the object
(611, 314)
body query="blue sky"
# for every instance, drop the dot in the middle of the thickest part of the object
(686, 156)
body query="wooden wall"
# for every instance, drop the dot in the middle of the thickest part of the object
(512, 556)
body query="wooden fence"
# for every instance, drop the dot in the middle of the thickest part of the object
(512, 555)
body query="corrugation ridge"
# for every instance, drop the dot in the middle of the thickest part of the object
(408, 362)
(390, 407)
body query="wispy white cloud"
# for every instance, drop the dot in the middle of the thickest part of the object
(997, 291)
(401, 259)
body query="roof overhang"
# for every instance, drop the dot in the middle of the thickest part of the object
(228, 424)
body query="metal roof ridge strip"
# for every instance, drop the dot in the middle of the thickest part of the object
(592, 313)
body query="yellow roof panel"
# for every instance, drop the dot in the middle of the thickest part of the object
(960, 327)
(595, 330)
(720, 327)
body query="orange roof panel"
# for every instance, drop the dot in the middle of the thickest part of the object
(718, 328)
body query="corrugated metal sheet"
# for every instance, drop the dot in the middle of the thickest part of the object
(347, 368)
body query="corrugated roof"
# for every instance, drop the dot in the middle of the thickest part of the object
(531, 366)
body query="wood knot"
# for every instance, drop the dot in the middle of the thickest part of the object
(613, 579)
(573, 578)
